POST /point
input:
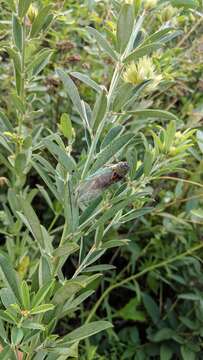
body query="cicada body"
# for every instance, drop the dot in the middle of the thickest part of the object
(94, 185)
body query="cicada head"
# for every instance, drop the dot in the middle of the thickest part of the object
(121, 169)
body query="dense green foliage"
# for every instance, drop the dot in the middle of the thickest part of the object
(101, 179)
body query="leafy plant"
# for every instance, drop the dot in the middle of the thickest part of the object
(91, 191)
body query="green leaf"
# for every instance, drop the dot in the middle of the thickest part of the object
(192, 325)
(9, 276)
(124, 26)
(5, 123)
(46, 179)
(197, 213)
(15, 56)
(142, 51)
(114, 243)
(7, 297)
(190, 296)
(90, 210)
(65, 127)
(29, 324)
(40, 61)
(42, 293)
(71, 287)
(87, 330)
(103, 43)
(199, 135)
(16, 336)
(71, 305)
(162, 334)
(115, 209)
(151, 308)
(130, 311)
(5, 317)
(25, 295)
(42, 309)
(166, 352)
(99, 110)
(72, 92)
(31, 220)
(71, 211)
(123, 96)
(40, 21)
(158, 36)
(169, 135)
(187, 353)
(109, 151)
(11, 4)
(66, 250)
(148, 162)
(18, 103)
(135, 214)
(17, 33)
(20, 163)
(23, 7)
(151, 113)
(62, 155)
(185, 3)
(45, 270)
(100, 268)
(86, 80)
(113, 133)
(3, 334)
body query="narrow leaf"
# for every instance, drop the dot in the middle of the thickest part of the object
(40, 21)
(109, 151)
(87, 330)
(152, 113)
(103, 43)
(72, 92)
(23, 7)
(17, 33)
(99, 110)
(42, 308)
(86, 80)
(32, 221)
(142, 51)
(125, 26)
(9, 276)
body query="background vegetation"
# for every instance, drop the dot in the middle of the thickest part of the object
(88, 87)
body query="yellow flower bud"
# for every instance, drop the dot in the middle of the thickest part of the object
(150, 4)
(32, 13)
(167, 13)
(144, 69)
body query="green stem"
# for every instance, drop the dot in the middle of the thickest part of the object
(140, 274)
(53, 222)
(22, 85)
(63, 238)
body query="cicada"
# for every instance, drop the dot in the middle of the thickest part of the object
(95, 184)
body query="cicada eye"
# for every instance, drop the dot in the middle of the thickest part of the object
(116, 176)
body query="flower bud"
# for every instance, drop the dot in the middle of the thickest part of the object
(32, 13)
(167, 13)
(144, 69)
(150, 4)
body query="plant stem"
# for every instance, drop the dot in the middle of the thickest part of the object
(181, 42)
(179, 179)
(63, 238)
(53, 222)
(22, 85)
(140, 274)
